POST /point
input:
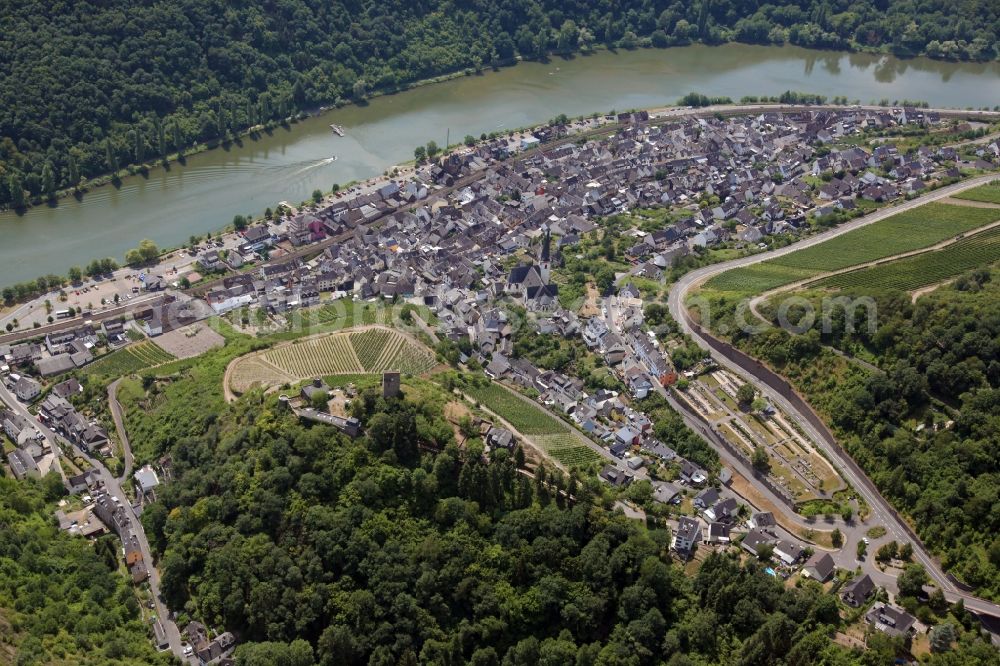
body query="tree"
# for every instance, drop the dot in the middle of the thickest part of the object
(745, 394)
(75, 274)
(911, 582)
(942, 636)
(887, 552)
(72, 171)
(758, 405)
(862, 549)
(17, 199)
(317, 196)
(905, 551)
(568, 38)
(239, 222)
(110, 158)
(470, 140)
(360, 89)
(836, 538)
(138, 145)
(319, 400)
(48, 180)
(161, 137)
(419, 153)
(760, 460)
(432, 149)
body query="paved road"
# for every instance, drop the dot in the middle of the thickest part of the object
(116, 415)
(74, 322)
(882, 512)
(114, 488)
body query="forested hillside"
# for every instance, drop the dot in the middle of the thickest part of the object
(927, 430)
(315, 548)
(89, 87)
(62, 599)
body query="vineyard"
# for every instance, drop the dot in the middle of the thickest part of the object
(925, 269)
(984, 193)
(550, 434)
(329, 355)
(567, 449)
(370, 346)
(130, 360)
(374, 350)
(526, 417)
(904, 232)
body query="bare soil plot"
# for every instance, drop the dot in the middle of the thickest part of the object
(190, 341)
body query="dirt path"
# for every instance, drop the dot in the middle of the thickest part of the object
(955, 201)
(917, 293)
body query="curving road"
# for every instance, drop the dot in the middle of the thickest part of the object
(114, 488)
(116, 415)
(881, 509)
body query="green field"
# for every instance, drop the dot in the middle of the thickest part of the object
(549, 433)
(989, 193)
(925, 269)
(129, 360)
(904, 232)
(567, 448)
(528, 418)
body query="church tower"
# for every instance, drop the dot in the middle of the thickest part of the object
(543, 261)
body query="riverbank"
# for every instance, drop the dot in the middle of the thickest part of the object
(148, 168)
(171, 205)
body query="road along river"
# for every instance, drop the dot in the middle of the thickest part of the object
(203, 195)
(779, 391)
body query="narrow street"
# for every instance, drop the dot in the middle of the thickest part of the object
(114, 488)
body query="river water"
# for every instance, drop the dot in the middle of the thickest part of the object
(203, 195)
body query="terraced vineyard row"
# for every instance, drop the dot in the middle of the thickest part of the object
(369, 345)
(910, 230)
(568, 449)
(526, 417)
(130, 360)
(412, 360)
(925, 269)
(330, 355)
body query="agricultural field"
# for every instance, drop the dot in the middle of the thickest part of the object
(129, 360)
(910, 230)
(911, 273)
(253, 371)
(371, 345)
(345, 353)
(568, 449)
(555, 438)
(989, 193)
(329, 355)
(528, 418)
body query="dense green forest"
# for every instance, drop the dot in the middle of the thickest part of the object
(62, 599)
(316, 548)
(97, 86)
(927, 429)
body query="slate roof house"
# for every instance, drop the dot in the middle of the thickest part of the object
(858, 591)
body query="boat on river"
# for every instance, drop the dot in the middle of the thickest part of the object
(337, 129)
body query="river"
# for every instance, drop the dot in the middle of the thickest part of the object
(205, 193)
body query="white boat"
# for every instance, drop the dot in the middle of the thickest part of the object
(337, 129)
